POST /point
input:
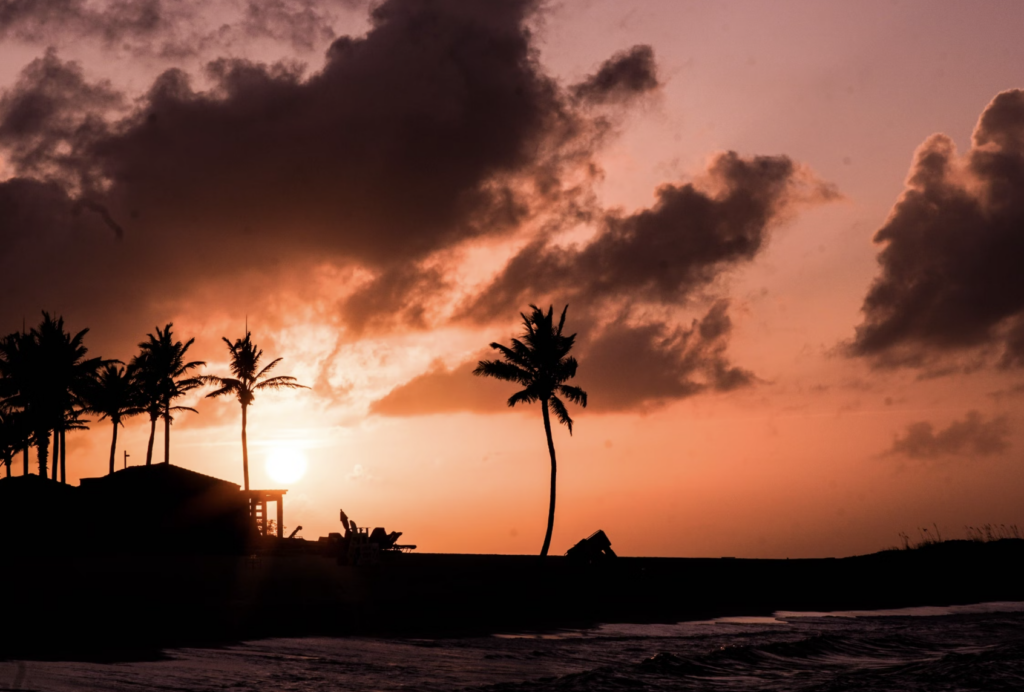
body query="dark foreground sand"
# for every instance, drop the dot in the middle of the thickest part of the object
(120, 607)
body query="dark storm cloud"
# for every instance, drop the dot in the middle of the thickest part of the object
(973, 436)
(50, 116)
(302, 23)
(622, 367)
(436, 127)
(400, 294)
(665, 253)
(660, 256)
(172, 28)
(953, 248)
(395, 149)
(621, 77)
(637, 366)
(44, 20)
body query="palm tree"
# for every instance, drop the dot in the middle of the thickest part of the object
(247, 380)
(9, 442)
(539, 361)
(14, 436)
(116, 395)
(72, 420)
(17, 371)
(43, 374)
(60, 383)
(164, 376)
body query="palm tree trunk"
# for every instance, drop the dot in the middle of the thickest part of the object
(167, 434)
(56, 454)
(245, 451)
(24, 459)
(554, 470)
(113, 448)
(63, 457)
(7, 463)
(152, 434)
(42, 451)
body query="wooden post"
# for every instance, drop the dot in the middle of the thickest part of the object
(280, 516)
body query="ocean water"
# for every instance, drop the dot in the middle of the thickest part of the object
(977, 647)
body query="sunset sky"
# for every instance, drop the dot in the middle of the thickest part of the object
(790, 236)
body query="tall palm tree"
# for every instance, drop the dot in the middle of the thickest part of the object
(248, 379)
(43, 374)
(165, 376)
(116, 395)
(72, 420)
(539, 361)
(60, 383)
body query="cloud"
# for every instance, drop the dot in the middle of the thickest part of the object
(621, 77)
(172, 28)
(667, 252)
(952, 250)
(51, 115)
(659, 257)
(436, 127)
(302, 23)
(435, 130)
(972, 436)
(43, 20)
(628, 367)
(444, 390)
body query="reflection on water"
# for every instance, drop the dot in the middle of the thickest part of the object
(957, 648)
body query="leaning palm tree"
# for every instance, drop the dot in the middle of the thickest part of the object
(539, 361)
(115, 395)
(248, 378)
(165, 376)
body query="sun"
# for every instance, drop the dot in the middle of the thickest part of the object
(286, 464)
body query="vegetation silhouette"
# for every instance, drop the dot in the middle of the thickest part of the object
(44, 376)
(539, 361)
(247, 380)
(47, 385)
(164, 377)
(116, 394)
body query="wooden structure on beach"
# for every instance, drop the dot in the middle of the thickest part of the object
(257, 501)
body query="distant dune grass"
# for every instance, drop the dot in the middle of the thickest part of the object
(985, 533)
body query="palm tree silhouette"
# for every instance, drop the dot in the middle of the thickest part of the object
(539, 361)
(164, 377)
(62, 377)
(247, 380)
(15, 382)
(10, 439)
(116, 395)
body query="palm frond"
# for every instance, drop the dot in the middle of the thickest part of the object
(561, 321)
(228, 387)
(573, 394)
(522, 397)
(267, 369)
(280, 382)
(559, 408)
(502, 370)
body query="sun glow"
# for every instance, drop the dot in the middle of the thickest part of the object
(286, 464)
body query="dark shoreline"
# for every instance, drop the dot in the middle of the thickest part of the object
(110, 608)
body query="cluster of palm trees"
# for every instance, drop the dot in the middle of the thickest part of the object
(47, 385)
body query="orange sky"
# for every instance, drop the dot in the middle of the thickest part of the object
(380, 282)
